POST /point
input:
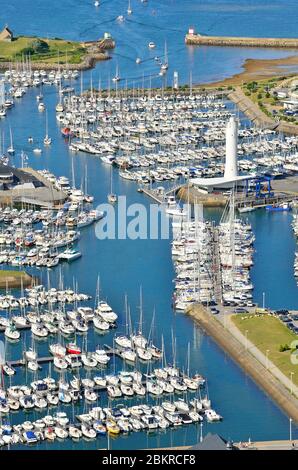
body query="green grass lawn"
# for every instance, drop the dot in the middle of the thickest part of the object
(65, 51)
(7, 272)
(267, 332)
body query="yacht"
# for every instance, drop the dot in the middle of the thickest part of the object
(69, 255)
(151, 45)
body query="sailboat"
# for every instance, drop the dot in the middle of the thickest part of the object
(96, 3)
(60, 107)
(129, 9)
(116, 78)
(47, 140)
(11, 149)
(112, 197)
(165, 65)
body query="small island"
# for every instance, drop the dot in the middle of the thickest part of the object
(52, 53)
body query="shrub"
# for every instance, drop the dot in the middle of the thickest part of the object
(284, 347)
(39, 46)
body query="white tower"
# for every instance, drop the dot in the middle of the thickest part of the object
(175, 81)
(231, 169)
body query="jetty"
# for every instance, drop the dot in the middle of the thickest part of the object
(196, 39)
(160, 196)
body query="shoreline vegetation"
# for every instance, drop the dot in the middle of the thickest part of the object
(46, 54)
(14, 279)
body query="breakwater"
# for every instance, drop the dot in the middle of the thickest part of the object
(231, 41)
(275, 389)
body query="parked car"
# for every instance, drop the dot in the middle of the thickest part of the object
(240, 310)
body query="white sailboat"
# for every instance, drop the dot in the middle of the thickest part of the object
(116, 78)
(11, 149)
(129, 9)
(165, 64)
(112, 197)
(47, 140)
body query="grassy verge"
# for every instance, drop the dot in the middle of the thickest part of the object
(268, 332)
(42, 50)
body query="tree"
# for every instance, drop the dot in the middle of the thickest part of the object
(39, 46)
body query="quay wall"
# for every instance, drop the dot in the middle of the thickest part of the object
(12, 281)
(195, 197)
(230, 41)
(246, 361)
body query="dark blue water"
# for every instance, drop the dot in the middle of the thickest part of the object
(125, 265)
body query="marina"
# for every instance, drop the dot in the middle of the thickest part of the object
(101, 351)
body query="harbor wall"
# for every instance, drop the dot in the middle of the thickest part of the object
(11, 281)
(195, 197)
(231, 41)
(276, 390)
(88, 63)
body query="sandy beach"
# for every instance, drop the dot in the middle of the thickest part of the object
(258, 69)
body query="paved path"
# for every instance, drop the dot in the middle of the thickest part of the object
(252, 349)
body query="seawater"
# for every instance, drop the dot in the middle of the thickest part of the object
(125, 265)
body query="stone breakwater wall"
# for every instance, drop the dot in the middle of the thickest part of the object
(88, 63)
(197, 39)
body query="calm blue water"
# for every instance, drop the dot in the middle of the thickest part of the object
(126, 265)
(158, 21)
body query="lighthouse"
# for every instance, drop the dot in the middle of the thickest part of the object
(231, 169)
(231, 178)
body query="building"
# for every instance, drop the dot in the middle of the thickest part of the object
(231, 178)
(6, 35)
(11, 177)
(26, 185)
(214, 442)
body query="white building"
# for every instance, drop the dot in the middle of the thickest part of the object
(231, 177)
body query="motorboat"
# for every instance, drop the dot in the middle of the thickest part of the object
(100, 324)
(12, 333)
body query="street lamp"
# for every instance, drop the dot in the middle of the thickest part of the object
(246, 331)
(267, 364)
(291, 375)
(291, 429)
(201, 431)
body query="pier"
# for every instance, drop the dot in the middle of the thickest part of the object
(159, 196)
(233, 41)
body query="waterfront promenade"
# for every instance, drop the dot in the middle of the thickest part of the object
(243, 352)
